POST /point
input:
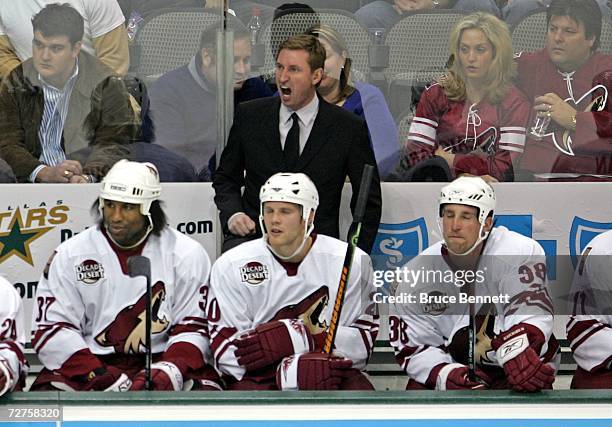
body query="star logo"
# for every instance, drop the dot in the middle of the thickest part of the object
(16, 241)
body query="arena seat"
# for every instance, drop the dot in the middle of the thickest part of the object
(168, 39)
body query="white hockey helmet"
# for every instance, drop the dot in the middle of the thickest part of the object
(132, 182)
(470, 191)
(295, 188)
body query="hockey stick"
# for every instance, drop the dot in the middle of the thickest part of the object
(471, 337)
(141, 266)
(362, 197)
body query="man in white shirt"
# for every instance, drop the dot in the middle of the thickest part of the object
(105, 35)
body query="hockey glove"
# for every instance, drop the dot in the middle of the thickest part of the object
(312, 371)
(8, 378)
(165, 376)
(454, 376)
(267, 344)
(106, 379)
(522, 365)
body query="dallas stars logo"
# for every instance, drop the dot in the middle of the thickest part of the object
(16, 241)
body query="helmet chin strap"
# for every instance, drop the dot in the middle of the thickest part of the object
(307, 230)
(144, 236)
(480, 239)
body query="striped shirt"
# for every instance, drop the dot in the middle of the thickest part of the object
(52, 123)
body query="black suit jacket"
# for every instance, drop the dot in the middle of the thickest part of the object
(338, 146)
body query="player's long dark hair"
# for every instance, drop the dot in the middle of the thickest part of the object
(158, 216)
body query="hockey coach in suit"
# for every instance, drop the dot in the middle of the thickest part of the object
(294, 132)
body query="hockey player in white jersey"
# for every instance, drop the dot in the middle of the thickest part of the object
(89, 323)
(504, 273)
(13, 366)
(270, 301)
(589, 329)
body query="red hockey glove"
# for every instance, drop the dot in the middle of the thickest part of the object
(165, 376)
(454, 376)
(267, 344)
(522, 365)
(312, 371)
(7, 377)
(107, 379)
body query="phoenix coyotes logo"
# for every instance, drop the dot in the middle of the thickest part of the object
(595, 99)
(485, 142)
(126, 334)
(310, 310)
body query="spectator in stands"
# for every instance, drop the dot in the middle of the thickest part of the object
(513, 11)
(184, 101)
(571, 82)
(383, 14)
(473, 117)
(363, 99)
(105, 35)
(297, 131)
(60, 100)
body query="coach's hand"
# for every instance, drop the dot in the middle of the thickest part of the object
(241, 225)
(312, 371)
(267, 344)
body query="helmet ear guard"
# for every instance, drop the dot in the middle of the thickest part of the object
(295, 188)
(469, 191)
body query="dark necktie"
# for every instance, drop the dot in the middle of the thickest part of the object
(292, 144)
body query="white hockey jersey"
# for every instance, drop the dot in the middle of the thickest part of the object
(249, 287)
(510, 281)
(12, 331)
(85, 300)
(589, 330)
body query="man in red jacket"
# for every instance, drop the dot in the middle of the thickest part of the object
(570, 82)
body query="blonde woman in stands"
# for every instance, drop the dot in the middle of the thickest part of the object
(472, 119)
